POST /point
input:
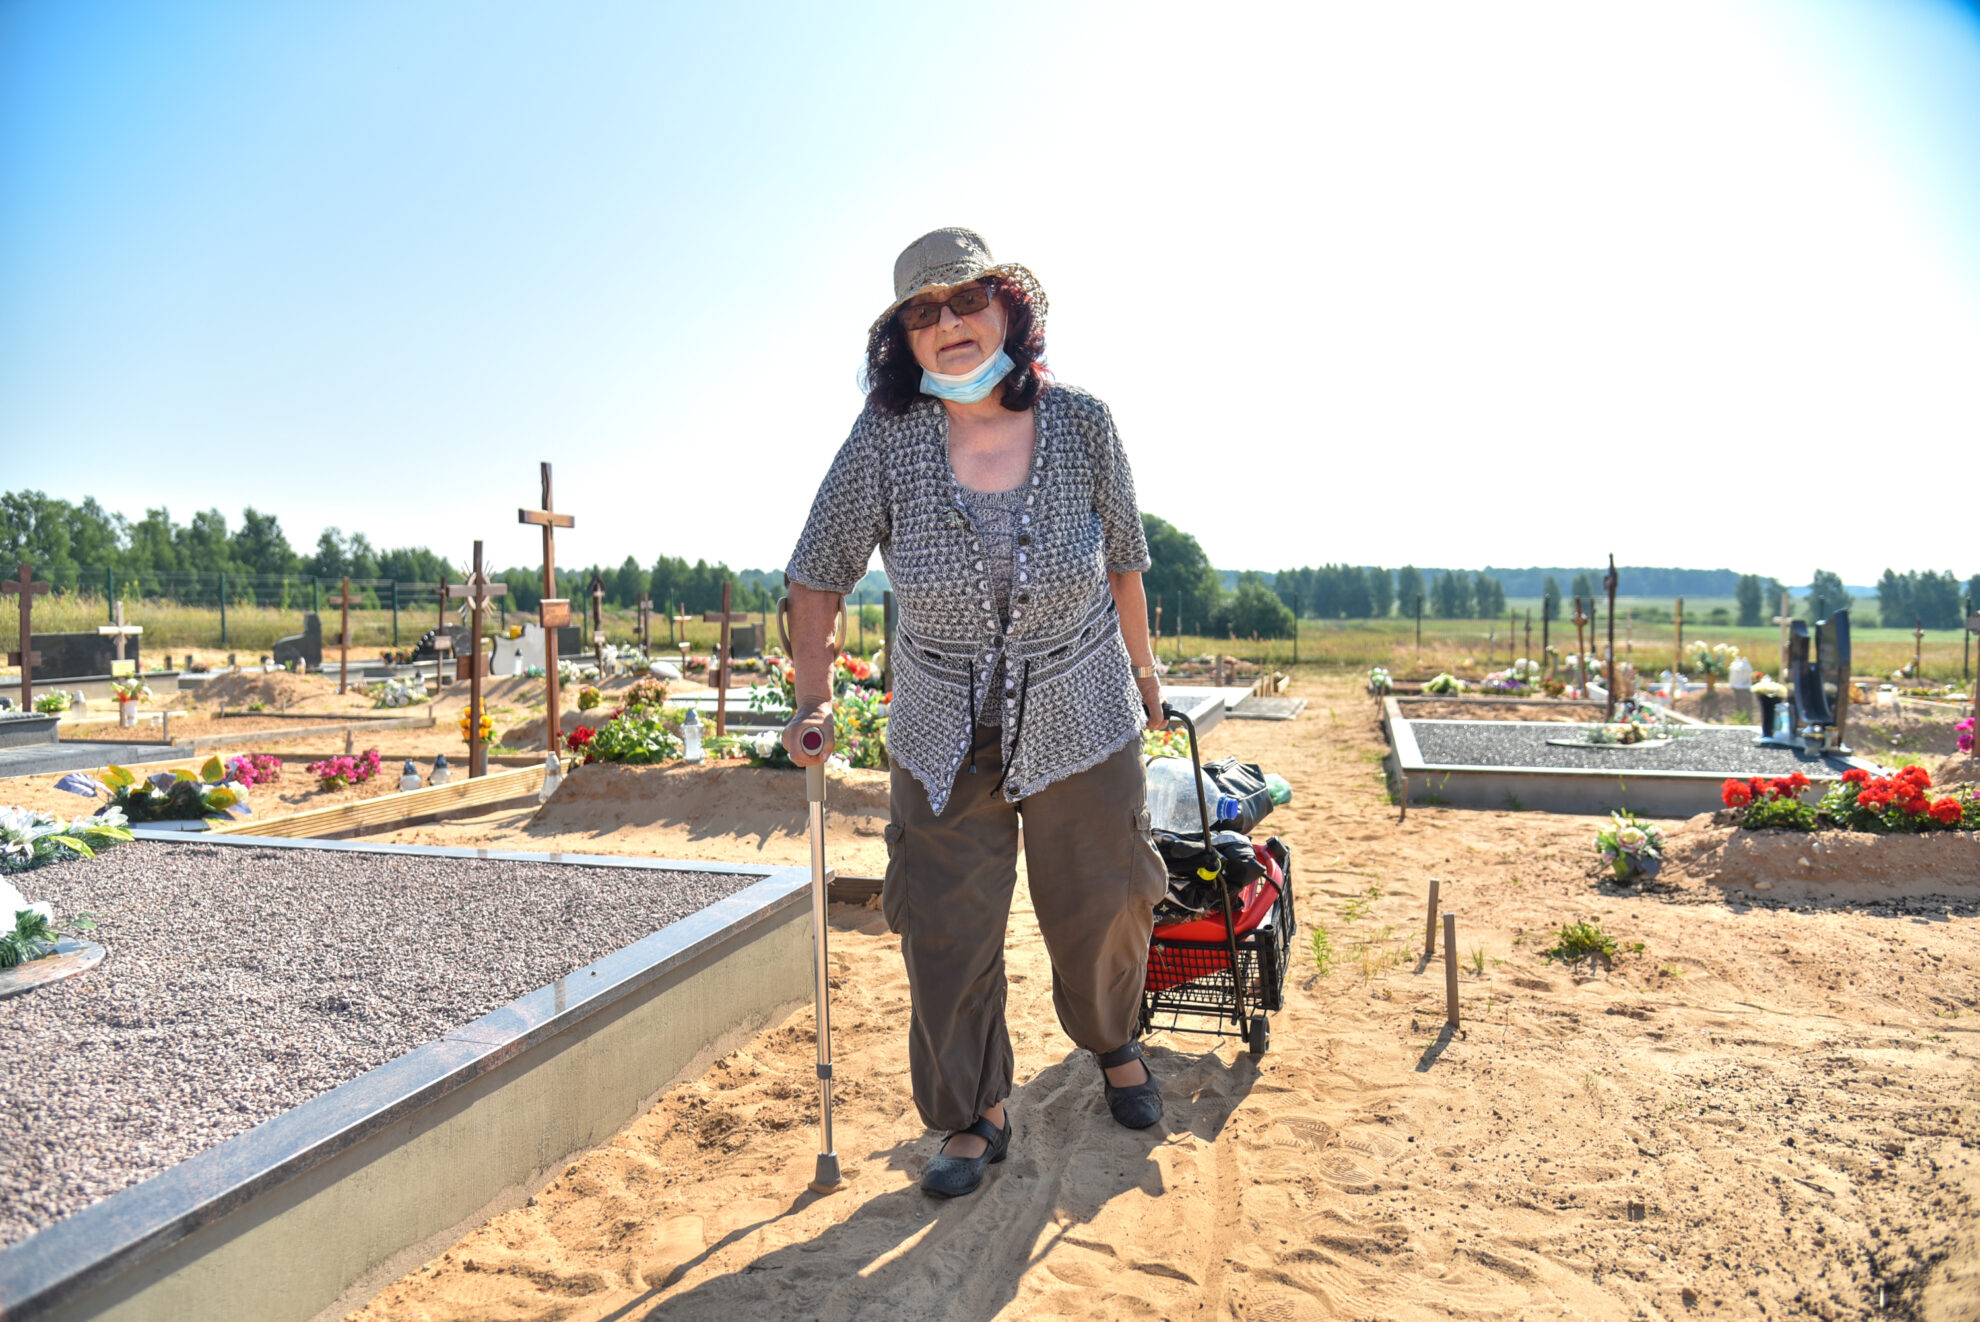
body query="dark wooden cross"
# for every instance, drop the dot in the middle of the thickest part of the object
(721, 658)
(477, 592)
(645, 605)
(1529, 632)
(27, 658)
(1546, 630)
(680, 618)
(597, 591)
(1609, 583)
(344, 603)
(1512, 637)
(117, 630)
(1918, 651)
(554, 612)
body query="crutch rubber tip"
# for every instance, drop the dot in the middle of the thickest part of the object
(812, 741)
(826, 1178)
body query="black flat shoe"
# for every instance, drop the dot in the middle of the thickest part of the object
(1138, 1105)
(952, 1177)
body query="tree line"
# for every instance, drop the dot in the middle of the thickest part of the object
(84, 546)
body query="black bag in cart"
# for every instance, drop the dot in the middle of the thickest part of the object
(1245, 782)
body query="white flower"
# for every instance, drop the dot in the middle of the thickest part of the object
(1632, 838)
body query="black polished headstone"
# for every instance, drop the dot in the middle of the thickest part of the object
(77, 655)
(306, 647)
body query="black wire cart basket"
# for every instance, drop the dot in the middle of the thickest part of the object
(1229, 965)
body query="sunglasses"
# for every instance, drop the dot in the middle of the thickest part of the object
(920, 316)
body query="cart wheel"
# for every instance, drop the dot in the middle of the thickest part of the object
(1259, 1039)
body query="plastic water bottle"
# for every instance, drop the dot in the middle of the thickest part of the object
(1172, 797)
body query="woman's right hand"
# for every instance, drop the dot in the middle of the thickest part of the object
(811, 714)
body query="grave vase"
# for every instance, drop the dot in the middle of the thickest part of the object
(1767, 705)
(127, 712)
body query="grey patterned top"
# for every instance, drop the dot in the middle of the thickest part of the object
(995, 514)
(1070, 701)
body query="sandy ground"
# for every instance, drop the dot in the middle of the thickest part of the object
(1769, 1109)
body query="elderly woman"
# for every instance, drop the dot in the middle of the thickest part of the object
(1004, 510)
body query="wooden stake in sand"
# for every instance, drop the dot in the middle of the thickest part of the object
(1450, 970)
(27, 658)
(725, 617)
(554, 612)
(477, 592)
(1430, 925)
(343, 602)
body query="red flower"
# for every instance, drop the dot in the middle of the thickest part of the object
(1947, 812)
(1917, 775)
(1735, 794)
(579, 737)
(1856, 776)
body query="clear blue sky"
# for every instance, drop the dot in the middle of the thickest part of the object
(1450, 285)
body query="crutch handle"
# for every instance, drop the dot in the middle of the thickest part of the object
(814, 779)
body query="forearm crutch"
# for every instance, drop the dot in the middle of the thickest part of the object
(826, 1177)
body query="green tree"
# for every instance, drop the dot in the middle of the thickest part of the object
(1584, 586)
(1451, 598)
(1973, 594)
(628, 583)
(1381, 592)
(1826, 595)
(1550, 598)
(1253, 609)
(1748, 597)
(1410, 597)
(1180, 574)
(1935, 600)
(259, 545)
(1488, 598)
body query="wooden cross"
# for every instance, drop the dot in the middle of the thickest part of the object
(477, 592)
(679, 618)
(554, 612)
(597, 590)
(721, 658)
(1918, 651)
(343, 637)
(27, 658)
(1677, 657)
(1529, 632)
(1546, 630)
(117, 630)
(645, 605)
(1609, 582)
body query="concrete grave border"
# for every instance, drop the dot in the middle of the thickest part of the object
(309, 1214)
(1553, 789)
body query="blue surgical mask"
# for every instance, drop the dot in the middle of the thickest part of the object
(968, 387)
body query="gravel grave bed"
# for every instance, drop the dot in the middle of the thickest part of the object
(241, 982)
(1728, 752)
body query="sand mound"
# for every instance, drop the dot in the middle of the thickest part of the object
(709, 801)
(1959, 769)
(1709, 848)
(277, 690)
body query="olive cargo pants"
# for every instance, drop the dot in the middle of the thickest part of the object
(1095, 880)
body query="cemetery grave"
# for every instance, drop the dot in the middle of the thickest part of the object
(523, 1008)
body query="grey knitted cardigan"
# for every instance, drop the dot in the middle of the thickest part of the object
(1069, 699)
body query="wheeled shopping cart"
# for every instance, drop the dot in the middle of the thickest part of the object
(1228, 965)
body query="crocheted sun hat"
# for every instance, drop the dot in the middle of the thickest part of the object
(942, 258)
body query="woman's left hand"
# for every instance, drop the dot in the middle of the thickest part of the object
(1151, 702)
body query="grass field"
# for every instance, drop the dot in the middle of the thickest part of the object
(1467, 648)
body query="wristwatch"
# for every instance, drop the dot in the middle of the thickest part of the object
(1144, 672)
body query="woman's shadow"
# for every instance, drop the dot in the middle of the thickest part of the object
(904, 1255)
